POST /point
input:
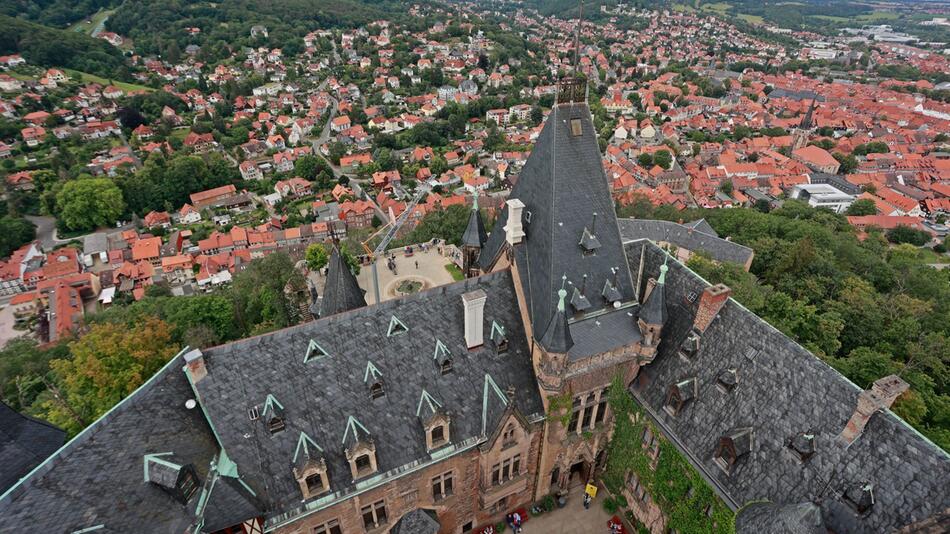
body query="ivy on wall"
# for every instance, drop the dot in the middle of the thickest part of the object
(674, 485)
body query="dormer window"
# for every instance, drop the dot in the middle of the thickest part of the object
(360, 449)
(374, 378)
(310, 469)
(803, 445)
(499, 338)
(275, 424)
(509, 436)
(376, 390)
(733, 446)
(727, 380)
(678, 395)
(396, 327)
(579, 302)
(446, 366)
(179, 481)
(589, 242)
(437, 435)
(363, 464)
(611, 293)
(690, 345)
(314, 483)
(860, 497)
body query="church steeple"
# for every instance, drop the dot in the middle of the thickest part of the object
(472, 240)
(342, 292)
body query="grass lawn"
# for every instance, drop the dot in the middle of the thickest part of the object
(454, 271)
(104, 81)
(752, 19)
(684, 8)
(718, 7)
(179, 133)
(96, 19)
(878, 16)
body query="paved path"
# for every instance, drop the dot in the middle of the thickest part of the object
(46, 231)
(573, 518)
(431, 270)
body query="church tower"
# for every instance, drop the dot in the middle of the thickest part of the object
(804, 129)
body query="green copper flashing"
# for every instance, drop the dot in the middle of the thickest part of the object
(304, 442)
(155, 458)
(495, 327)
(314, 352)
(440, 350)
(561, 295)
(353, 423)
(396, 327)
(371, 371)
(90, 529)
(475, 200)
(227, 467)
(490, 385)
(270, 403)
(433, 404)
(663, 269)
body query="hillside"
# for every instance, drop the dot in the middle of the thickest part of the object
(50, 47)
(56, 13)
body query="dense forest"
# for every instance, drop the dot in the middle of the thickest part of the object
(49, 47)
(57, 13)
(868, 308)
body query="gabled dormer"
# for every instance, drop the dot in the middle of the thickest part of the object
(442, 357)
(359, 448)
(314, 352)
(310, 468)
(435, 421)
(373, 379)
(171, 475)
(273, 414)
(499, 338)
(733, 446)
(579, 300)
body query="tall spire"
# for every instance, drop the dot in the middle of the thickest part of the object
(577, 36)
(473, 239)
(342, 292)
(654, 309)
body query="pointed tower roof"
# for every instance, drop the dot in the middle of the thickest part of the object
(342, 292)
(475, 234)
(557, 336)
(654, 309)
(561, 186)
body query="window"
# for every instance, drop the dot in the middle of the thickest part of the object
(438, 435)
(467, 527)
(506, 470)
(509, 436)
(376, 390)
(500, 505)
(254, 413)
(314, 483)
(446, 367)
(275, 424)
(374, 515)
(575, 415)
(588, 411)
(187, 484)
(602, 406)
(363, 464)
(330, 527)
(555, 476)
(442, 486)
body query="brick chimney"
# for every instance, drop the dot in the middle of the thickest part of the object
(195, 363)
(474, 303)
(881, 396)
(710, 302)
(514, 230)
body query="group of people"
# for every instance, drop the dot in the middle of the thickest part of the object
(514, 522)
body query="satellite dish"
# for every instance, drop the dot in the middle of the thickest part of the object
(616, 304)
(190, 404)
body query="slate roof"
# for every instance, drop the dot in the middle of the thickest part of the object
(320, 397)
(782, 390)
(697, 240)
(97, 478)
(24, 443)
(341, 292)
(417, 521)
(762, 518)
(475, 234)
(562, 186)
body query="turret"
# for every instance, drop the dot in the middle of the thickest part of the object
(472, 241)
(652, 317)
(554, 346)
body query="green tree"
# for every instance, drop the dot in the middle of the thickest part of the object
(106, 364)
(906, 234)
(663, 158)
(848, 162)
(89, 203)
(14, 233)
(862, 206)
(317, 256)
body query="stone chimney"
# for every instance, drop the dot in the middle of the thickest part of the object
(514, 231)
(881, 396)
(474, 303)
(710, 302)
(195, 363)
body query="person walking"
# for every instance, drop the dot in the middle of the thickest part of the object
(587, 501)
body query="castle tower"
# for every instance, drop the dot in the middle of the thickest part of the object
(472, 241)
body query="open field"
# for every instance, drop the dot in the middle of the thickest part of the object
(125, 86)
(95, 21)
